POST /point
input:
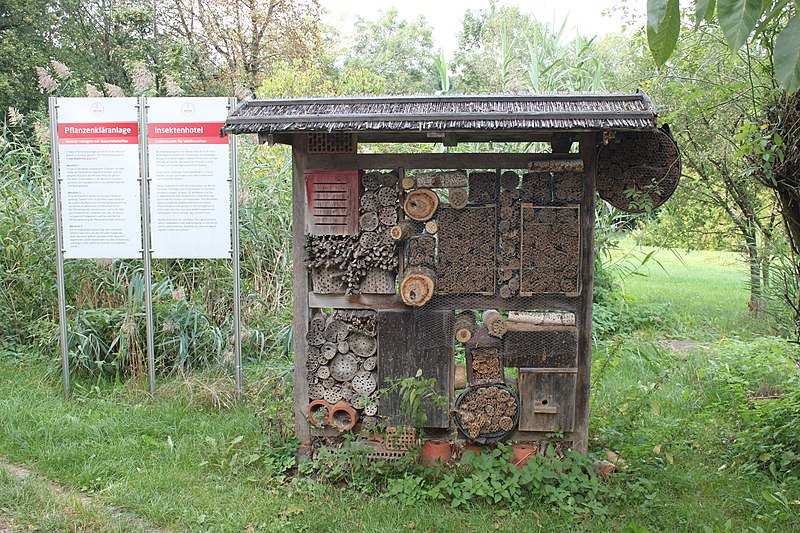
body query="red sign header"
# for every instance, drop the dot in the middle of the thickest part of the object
(99, 133)
(185, 133)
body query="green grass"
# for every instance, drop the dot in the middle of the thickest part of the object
(708, 289)
(182, 464)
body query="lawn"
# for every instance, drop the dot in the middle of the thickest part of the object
(187, 462)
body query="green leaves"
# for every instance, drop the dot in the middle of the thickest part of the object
(704, 10)
(787, 56)
(738, 19)
(663, 28)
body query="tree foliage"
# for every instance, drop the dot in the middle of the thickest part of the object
(398, 50)
(740, 21)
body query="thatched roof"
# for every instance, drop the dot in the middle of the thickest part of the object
(369, 115)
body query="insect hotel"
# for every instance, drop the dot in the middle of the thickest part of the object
(419, 246)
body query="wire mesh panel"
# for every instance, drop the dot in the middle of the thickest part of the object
(466, 250)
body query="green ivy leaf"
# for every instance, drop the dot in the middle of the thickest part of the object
(787, 56)
(663, 37)
(704, 10)
(738, 18)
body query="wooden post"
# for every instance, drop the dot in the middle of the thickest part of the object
(588, 151)
(300, 293)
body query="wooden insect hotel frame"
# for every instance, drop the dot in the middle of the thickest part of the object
(407, 262)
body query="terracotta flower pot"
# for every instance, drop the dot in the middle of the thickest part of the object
(318, 413)
(342, 416)
(477, 449)
(521, 454)
(436, 451)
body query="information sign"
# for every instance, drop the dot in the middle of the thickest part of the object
(98, 172)
(189, 172)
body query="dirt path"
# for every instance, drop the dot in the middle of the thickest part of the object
(63, 494)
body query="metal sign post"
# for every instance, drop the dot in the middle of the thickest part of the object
(148, 277)
(237, 306)
(62, 298)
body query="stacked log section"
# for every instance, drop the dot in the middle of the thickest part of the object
(536, 188)
(441, 179)
(421, 204)
(417, 286)
(421, 251)
(341, 368)
(487, 412)
(458, 198)
(544, 347)
(373, 265)
(550, 250)
(567, 187)
(483, 187)
(403, 230)
(508, 238)
(466, 253)
(464, 326)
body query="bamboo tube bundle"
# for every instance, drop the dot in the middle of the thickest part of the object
(483, 187)
(421, 251)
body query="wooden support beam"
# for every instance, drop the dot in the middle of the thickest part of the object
(583, 316)
(301, 284)
(452, 161)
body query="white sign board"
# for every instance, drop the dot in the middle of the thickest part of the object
(98, 165)
(189, 170)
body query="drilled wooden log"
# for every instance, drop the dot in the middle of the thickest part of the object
(387, 196)
(421, 204)
(431, 227)
(369, 221)
(441, 179)
(495, 323)
(458, 198)
(369, 202)
(417, 286)
(518, 320)
(403, 230)
(388, 215)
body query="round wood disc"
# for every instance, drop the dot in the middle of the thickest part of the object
(336, 331)
(417, 286)
(365, 383)
(387, 196)
(371, 180)
(369, 202)
(371, 363)
(388, 215)
(639, 170)
(368, 221)
(362, 345)
(421, 204)
(343, 367)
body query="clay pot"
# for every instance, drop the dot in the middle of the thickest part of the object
(436, 451)
(521, 454)
(314, 409)
(342, 416)
(477, 449)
